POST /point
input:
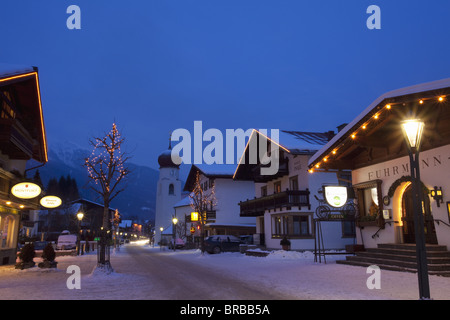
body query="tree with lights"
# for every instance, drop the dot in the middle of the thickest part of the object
(202, 202)
(107, 169)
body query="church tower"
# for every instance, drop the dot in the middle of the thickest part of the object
(168, 191)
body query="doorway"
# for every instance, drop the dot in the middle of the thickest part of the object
(408, 218)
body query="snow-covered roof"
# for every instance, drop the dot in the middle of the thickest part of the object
(217, 169)
(186, 201)
(424, 87)
(8, 70)
(300, 142)
(212, 171)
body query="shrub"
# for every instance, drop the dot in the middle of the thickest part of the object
(49, 253)
(27, 253)
(285, 242)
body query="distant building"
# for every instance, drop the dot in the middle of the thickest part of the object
(224, 217)
(168, 192)
(53, 221)
(22, 138)
(285, 203)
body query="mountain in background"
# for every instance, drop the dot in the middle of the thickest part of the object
(138, 199)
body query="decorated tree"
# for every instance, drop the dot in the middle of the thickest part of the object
(202, 201)
(107, 169)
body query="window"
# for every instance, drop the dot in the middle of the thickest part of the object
(348, 229)
(171, 189)
(300, 225)
(292, 225)
(277, 187)
(6, 232)
(264, 191)
(293, 183)
(6, 110)
(369, 203)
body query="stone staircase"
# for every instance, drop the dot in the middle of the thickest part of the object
(402, 257)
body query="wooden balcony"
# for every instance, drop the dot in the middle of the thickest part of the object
(289, 198)
(15, 141)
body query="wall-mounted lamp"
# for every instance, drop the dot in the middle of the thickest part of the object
(448, 210)
(436, 193)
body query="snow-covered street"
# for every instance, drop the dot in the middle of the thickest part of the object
(290, 275)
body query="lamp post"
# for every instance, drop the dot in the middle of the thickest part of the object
(161, 229)
(412, 130)
(80, 216)
(174, 224)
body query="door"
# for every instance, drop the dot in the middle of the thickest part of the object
(408, 218)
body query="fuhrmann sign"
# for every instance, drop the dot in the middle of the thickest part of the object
(403, 168)
(26, 190)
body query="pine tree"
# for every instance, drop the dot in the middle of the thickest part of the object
(52, 187)
(37, 178)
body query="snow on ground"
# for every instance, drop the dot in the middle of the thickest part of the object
(291, 272)
(296, 273)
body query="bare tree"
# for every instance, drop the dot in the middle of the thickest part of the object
(202, 202)
(107, 168)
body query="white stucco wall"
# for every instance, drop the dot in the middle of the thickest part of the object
(332, 231)
(434, 171)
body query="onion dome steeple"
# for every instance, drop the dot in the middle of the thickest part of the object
(165, 158)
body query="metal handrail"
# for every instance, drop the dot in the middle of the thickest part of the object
(439, 220)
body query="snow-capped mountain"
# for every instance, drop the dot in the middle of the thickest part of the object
(136, 201)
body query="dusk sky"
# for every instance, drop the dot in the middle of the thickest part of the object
(155, 66)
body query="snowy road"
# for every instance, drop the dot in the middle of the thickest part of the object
(177, 279)
(146, 273)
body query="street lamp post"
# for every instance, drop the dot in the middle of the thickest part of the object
(174, 223)
(412, 130)
(80, 216)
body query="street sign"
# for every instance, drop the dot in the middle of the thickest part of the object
(26, 190)
(50, 202)
(194, 216)
(336, 196)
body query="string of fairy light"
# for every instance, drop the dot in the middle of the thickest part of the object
(104, 156)
(366, 125)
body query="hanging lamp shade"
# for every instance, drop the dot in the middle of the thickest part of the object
(412, 130)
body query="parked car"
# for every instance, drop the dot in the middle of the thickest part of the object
(221, 243)
(66, 241)
(248, 239)
(179, 243)
(40, 245)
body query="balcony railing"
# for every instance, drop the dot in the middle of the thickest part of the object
(15, 141)
(288, 198)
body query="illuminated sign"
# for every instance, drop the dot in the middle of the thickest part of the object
(50, 202)
(26, 190)
(336, 196)
(194, 216)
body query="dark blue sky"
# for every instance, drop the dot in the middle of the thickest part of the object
(155, 66)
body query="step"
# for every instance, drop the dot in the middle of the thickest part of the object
(402, 257)
(399, 263)
(407, 246)
(395, 255)
(391, 267)
(408, 252)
